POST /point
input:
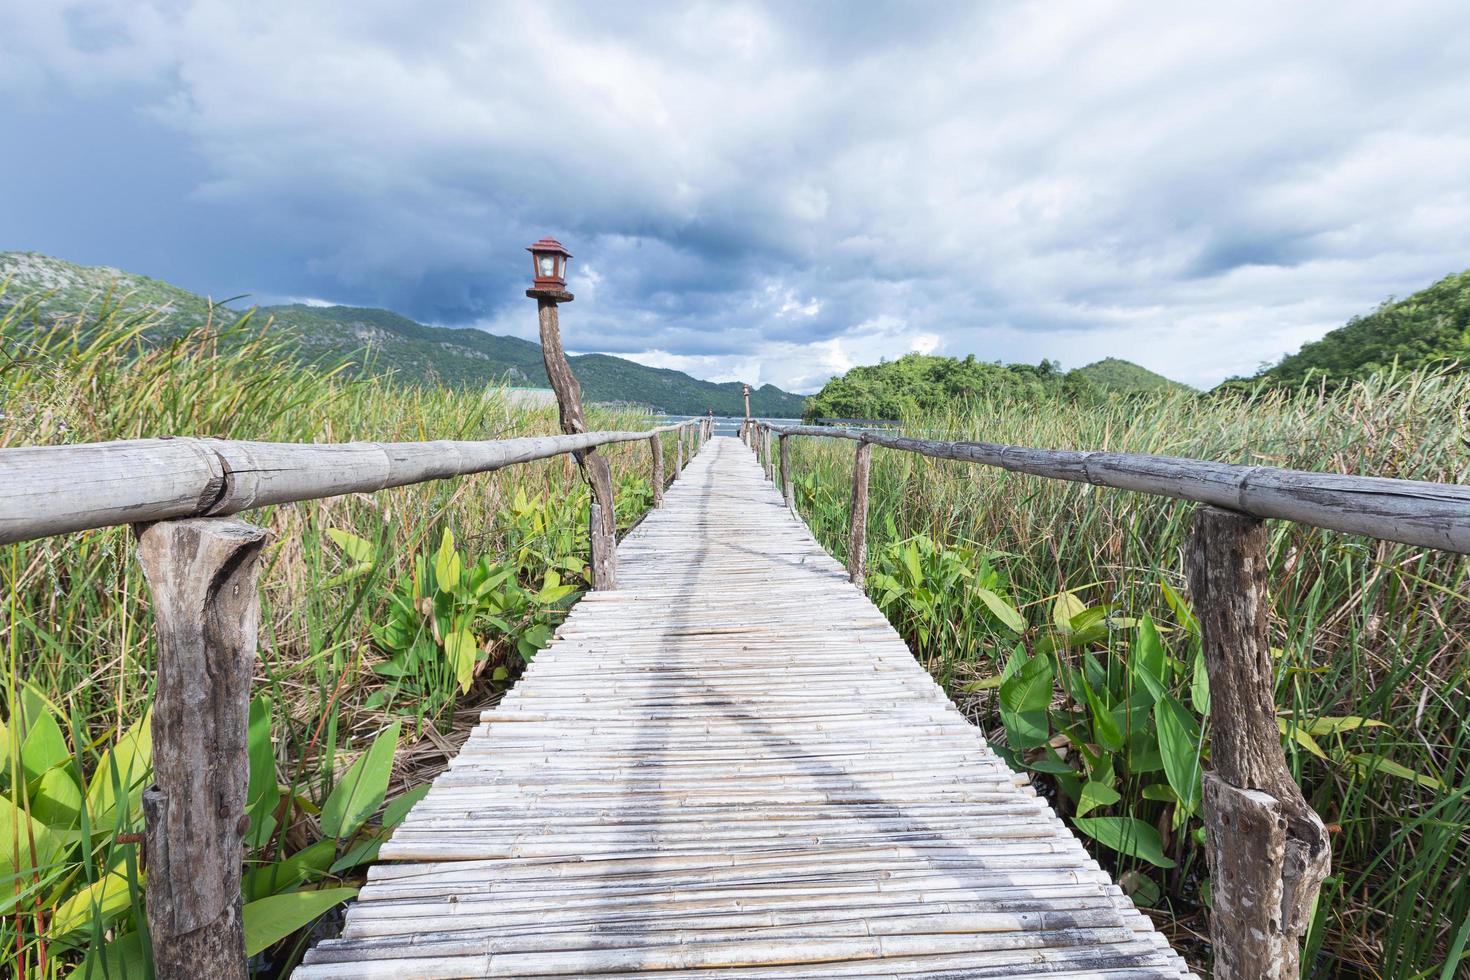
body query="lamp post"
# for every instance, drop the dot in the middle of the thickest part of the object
(745, 426)
(548, 289)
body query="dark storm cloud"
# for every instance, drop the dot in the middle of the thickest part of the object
(771, 191)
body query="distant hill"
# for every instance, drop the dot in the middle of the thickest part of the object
(382, 341)
(1125, 377)
(928, 382)
(1430, 327)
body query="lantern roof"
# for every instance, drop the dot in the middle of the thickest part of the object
(549, 245)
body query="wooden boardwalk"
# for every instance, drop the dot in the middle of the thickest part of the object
(733, 767)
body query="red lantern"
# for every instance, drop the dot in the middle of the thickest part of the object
(550, 258)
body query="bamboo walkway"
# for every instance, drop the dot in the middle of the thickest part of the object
(733, 767)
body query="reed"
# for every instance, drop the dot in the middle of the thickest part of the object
(77, 631)
(1366, 630)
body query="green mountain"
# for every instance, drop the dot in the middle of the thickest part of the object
(382, 341)
(1428, 328)
(1125, 377)
(918, 383)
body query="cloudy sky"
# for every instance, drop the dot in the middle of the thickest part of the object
(772, 192)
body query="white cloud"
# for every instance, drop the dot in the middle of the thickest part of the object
(779, 192)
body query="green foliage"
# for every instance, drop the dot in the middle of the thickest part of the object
(77, 655)
(1113, 374)
(1101, 697)
(918, 384)
(1428, 329)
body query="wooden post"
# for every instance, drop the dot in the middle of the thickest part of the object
(679, 467)
(770, 459)
(857, 537)
(656, 446)
(787, 489)
(1267, 849)
(594, 466)
(202, 575)
(603, 555)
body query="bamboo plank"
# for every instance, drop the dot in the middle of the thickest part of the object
(732, 767)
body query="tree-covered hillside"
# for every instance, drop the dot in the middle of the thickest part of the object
(1430, 327)
(925, 382)
(380, 341)
(1116, 374)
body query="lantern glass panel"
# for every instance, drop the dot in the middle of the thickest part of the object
(547, 265)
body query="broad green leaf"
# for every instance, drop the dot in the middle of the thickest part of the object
(461, 648)
(1199, 685)
(1024, 698)
(105, 899)
(361, 790)
(1140, 887)
(1148, 652)
(352, 546)
(57, 800)
(398, 808)
(18, 834)
(1336, 725)
(1104, 726)
(121, 775)
(447, 565)
(1370, 763)
(1004, 611)
(269, 920)
(1095, 795)
(1180, 608)
(983, 684)
(43, 747)
(264, 792)
(309, 863)
(1064, 609)
(1160, 792)
(1179, 744)
(124, 958)
(1126, 835)
(1302, 738)
(364, 851)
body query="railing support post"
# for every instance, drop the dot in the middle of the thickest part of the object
(656, 447)
(202, 575)
(594, 466)
(679, 467)
(857, 536)
(770, 459)
(1267, 849)
(603, 550)
(787, 489)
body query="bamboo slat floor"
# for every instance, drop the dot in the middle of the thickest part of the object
(732, 766)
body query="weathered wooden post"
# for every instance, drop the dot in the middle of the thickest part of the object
(679, 467)
(656, 446)
(202, 575)
(787, 490)
(770, 459)
(857, 536)
(1268, 850)
(548, 289)
(745, 390)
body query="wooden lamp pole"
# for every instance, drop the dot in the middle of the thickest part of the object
(745, 426)
(548, 289)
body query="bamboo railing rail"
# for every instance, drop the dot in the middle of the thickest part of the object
(201, 569)
(1268, 851)
(57, 489)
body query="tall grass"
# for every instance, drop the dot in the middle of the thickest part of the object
(1365, 629)
(77, 637)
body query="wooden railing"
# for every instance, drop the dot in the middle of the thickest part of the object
(201, 568)
(1268, 851)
